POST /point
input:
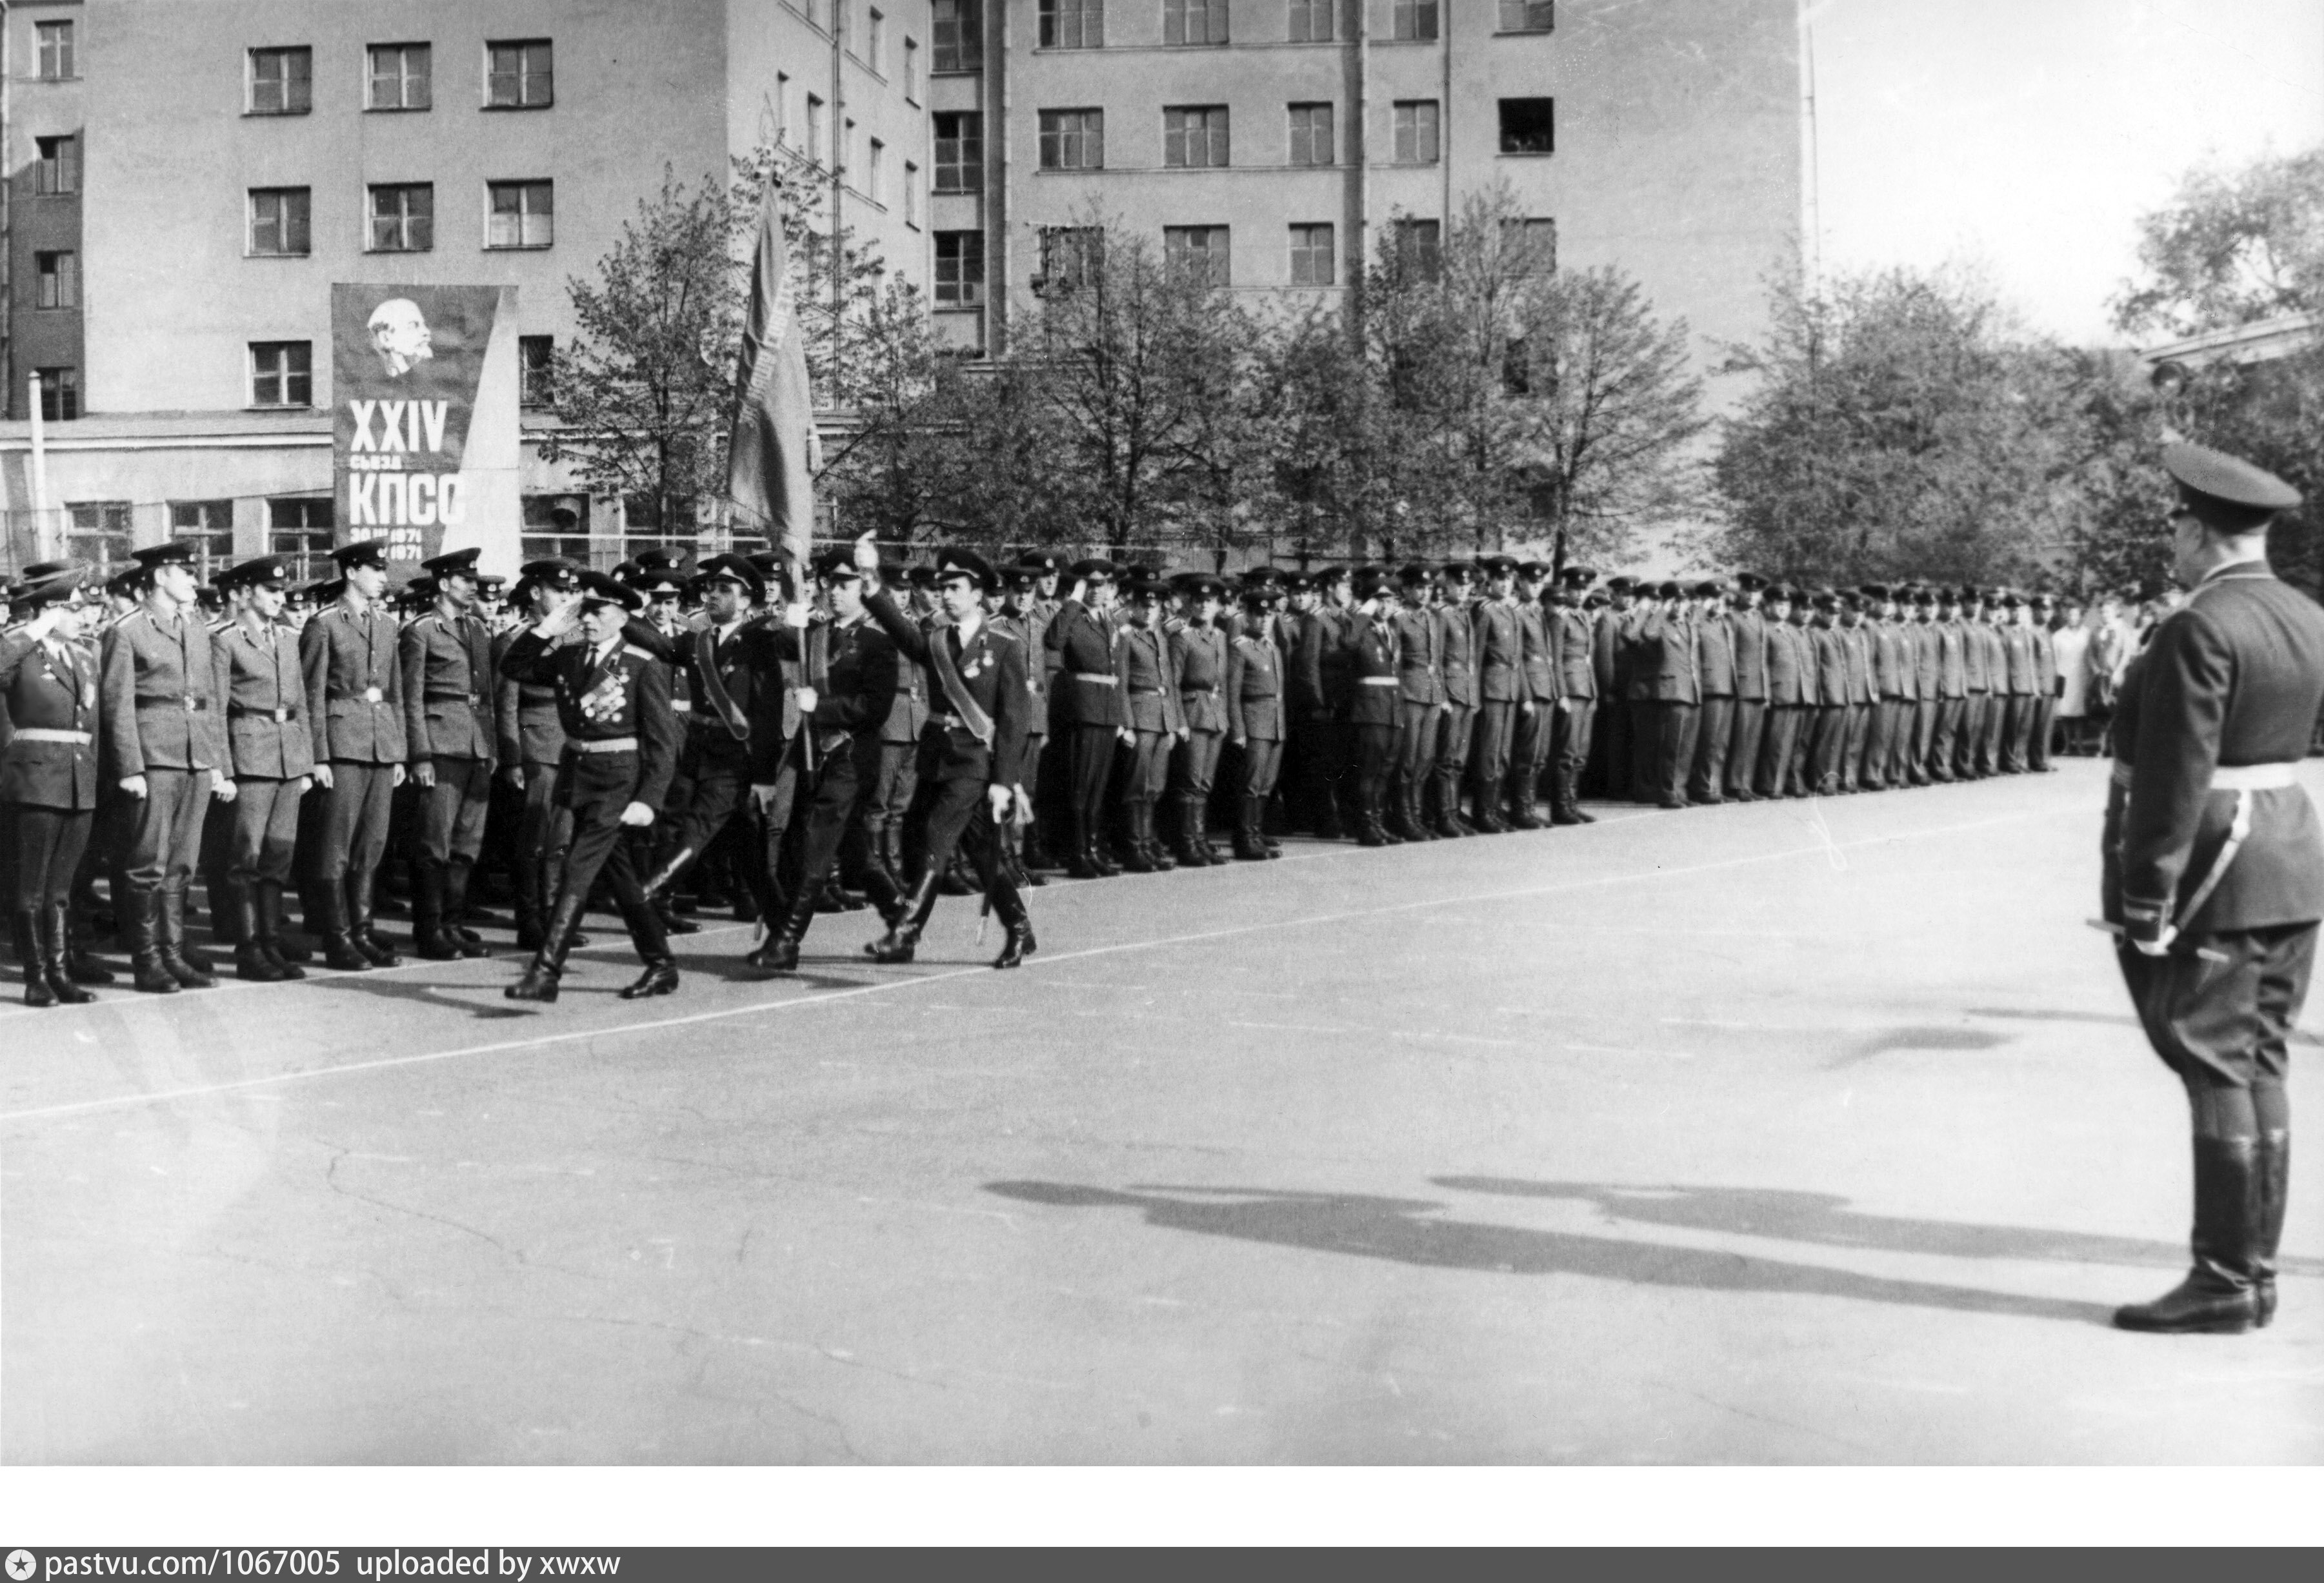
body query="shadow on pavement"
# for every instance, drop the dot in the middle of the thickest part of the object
(1824, 1219)
(1923, 1038)
(1395, 1229)
(423, 991)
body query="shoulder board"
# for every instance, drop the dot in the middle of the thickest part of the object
(139, 614)
(640, 653)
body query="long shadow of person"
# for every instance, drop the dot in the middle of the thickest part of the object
(1408, 1231)
(1825, 1219)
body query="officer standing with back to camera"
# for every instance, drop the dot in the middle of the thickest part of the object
(2216, 880)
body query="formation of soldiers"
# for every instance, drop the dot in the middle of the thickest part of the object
(665, 737)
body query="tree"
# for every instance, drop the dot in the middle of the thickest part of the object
(2232, 248)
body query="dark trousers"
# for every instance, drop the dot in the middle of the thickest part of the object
(595, 789)
(1780, 729)
(705, 789)
(953, 815)
(1997, 726)
(2018, 732)
(2045, 719)
(45, 845)
(1491, 736)
(1194, 768)
(1922, 753)
(1416, 751)
(1827, 745)
(1852, 745)
(1880, 742)
(1646, 751)
(1574, 724)
(839, 788)
(1262, 762)
(1613, 748)
(1743, 746)
(1673, 753)
(1376, 749)
(356, 811)
(1089, 761)
(1531, 743)
(452, 811)
(264, 833)
(1144, 768)
(1945, 738)
(2223, 1027)
(1322, 758)
(1713, 740)
(1452, 743)
(165, 831)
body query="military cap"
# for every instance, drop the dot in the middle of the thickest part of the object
(1182, 582)
(1414, 571)
(1094, 569)
(2045, 601)
(1533, 571)
(1298, 583)
(554, 572)
(419, 593)
(1924, 594)
(1041, 563)
(657, 560)
(2228, 494)
(1497, 565)
(895, 571)
(768, 563)
(1595, 600)
(598, 588)
(735, 569)
(1325, 576)
(48, 582)
(453, 563)
(328, 590)
(1826, 598)
(624, 571)
(1460, 571)
(1750, 582)
(1260, 576)
(491, 585)
(958, 562)
(920, 577)
(208, 598)
(1371, 583)
(267, 571)
(659, 581)
(1709, 588)
(1876, 592)
(1670, 590)
(1139, 583)
(1580, 576)
(837, 565)
(363, 552)
(176, 552)
(1020, 578)
(519, 593)
(1620, 584)
(1201, 586)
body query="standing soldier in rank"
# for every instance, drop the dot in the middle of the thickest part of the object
(531, 749)
(354, 709)
(1156, 722)
(1377, 709)
(1087, 711)
(449, 695)
(1746, 630)
(1198, 654)
(161, 713)
(256, 659)
(1255, 723)
(1496, 642)
(1714, 654)
(1318, 747)
(48, 774)
(1576, 653)
(1534, 732)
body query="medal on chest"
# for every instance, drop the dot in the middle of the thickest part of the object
(608, 699)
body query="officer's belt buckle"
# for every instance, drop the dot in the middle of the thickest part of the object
(373, 696)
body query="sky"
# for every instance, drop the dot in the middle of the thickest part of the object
(2027, 137)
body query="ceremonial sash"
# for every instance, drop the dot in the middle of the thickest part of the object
(956, 690)
(714, 687)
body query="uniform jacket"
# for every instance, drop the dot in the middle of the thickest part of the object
(1974, 674)
(1714, 657)
(1862, 685)
(1031, 625)
(2018, 654)
(1828, 650)
(1608, 660)
(524, 714)
(1895, 672)
(1747, 631)
(750, 662)
(626, 694)
(161, 703)
(991, 666)
(449, 690)
(49, 689)
(1420, 673)
(1666, 660)
(2234, 676)
(1084, 643)
(1496, 641)
(1373, 663)
(1149, 681)
(266, 731)
(1199, 655)
(854, 671)
(1319, 664)
(1635, 666)
(1254, 689)
(1575, 639)
(1456, 655)
(355, 685)
(2046, 677)
(1538, 676)
(1953, 660)
(1928, 647)
(908, 715)
(1791, 679)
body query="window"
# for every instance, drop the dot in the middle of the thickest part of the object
(1196, 250)
(960, 152)
(1419, 246)
(875, 171)
(1071, 256)
(208, 527)
(556, 525)
(960, 269)
(281, 374)
(1193, 22)
(278, 222)
(1073, 24)
(400, 76)
(1073, 140)
(1415, 132)
(403, 218)
(1196, 135)
(519, 75)
(1416, 19)
(959, 35)
(1312, 262)
(911, 193)
(99, 531)
(58, 276)
(282, 81)
(1310, 21)
(56, 46)
(60, 393)
(298, 530)
(912, 69)
(875, 40)
(1526, 16)
(814, 150)
(523, 215)
(1530, 246)
(536, 370)
(844, 154)
(1311, 134)
(59, 165)
(1528, 127)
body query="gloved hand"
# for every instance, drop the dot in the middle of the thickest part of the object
(2148, 929)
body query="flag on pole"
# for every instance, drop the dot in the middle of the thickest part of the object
(773, 446)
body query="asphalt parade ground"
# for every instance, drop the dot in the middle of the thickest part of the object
(1803, 1132)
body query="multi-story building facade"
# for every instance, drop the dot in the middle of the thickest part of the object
(1279, 137)
(210, 170)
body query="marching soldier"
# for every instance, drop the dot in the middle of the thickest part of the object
(267, 737)
(621, 748)
(49, 702)
(2220, 872)
(449, 694)
(899, 747)
(354, 709)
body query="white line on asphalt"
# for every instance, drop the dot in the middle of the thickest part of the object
(507, 1046)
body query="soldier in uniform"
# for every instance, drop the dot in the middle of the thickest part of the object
(2047, 682)
(1790, 691)
(1321, 748)
(1087, 711)
(355, 708)
(1374, 669)
(2220, 872)
(621, 748)
(1534, 728)
(1576, 655)
(1030, 612)
(899, 739)
(449, 694)
(267, 737)
(1421, 706)
(531, 750)
(1253, 687)
(1148, 684)
(1667, 668)
(1457, 668)
(160, 713)
(970, 750)
(1497, 635)
(1715, 660)
(1928, 671)
(48, 773)
(1746, 630)
(1198, 653)
(2024, 688)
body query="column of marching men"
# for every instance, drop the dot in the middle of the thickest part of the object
(664, 739)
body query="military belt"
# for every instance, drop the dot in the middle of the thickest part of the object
(1095, 679)
(2244, 777)
(1380, 681)
(1146, 691)
(604, 745)
(188, 701)
(41, 733)
(368, 696)
(681, 705)
(251, 711)
(473, 700)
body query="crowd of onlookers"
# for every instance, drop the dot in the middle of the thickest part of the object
(2095, 643)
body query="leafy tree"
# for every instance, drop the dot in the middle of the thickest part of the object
(2234, 247)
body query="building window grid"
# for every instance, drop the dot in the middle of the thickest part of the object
(400, 77)
(57, 280)
(403, 218)
(1312, 21)
(1530, 245)
(299, 528)
(1416, 131)
(521, 215)
(558, 525)
(520, 74)
(208, 527)
(281, 374)
(1420, 246)
(59, 165)
(278, 222)
(60, 393)
(1527, 16)
(1198, 250)
(1073, 140)
(536, 370)
(960, 152)
(1073, 24)
(1414, 19)
(958, 29)
(1194, 135)
(56, 48)
(1312, 256)
(98, 532)
(1311, 134)
(960, 269)
(1528, 127)
(283, 81)
(1071, 255)
(1193, 22)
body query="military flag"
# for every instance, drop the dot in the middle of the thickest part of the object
(771, 457)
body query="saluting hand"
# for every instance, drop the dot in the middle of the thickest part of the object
(867, 558)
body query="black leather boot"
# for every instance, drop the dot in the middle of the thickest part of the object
(779, 953)
(903, 938)
(1008, 906)
(541, 974)
(2217, 1295)
(366, 938)
(531, 924)
(54, 929)
(429, 939)
(25, 936)
(660, 977)
(80, 967)
(330, 916)
(1249, 846)
(250, 959)
(1194, 851)
(171, 938)
(266, 911)
(1136, 859)
(143, 918)
(2271, 1184)
(457, 879)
